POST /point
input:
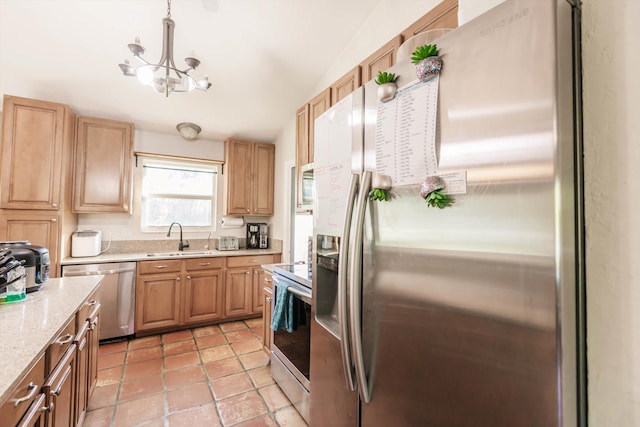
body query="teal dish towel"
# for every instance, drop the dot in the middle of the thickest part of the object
(283, 309)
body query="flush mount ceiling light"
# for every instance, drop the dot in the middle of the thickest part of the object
(189, 131)
(164, 77)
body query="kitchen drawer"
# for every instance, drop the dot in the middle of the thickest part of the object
(204, 263)
(159, 266)
(60, 344)
(24, 394)
(249, 260)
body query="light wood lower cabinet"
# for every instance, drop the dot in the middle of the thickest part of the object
(245, 279)
(238, 292)
(87, 342)
(23, 396)
(266, 317)
(204, 290)
(188, 292)
(56, 389)
(60, 391)
(158, 301)
(175, 294)
(36, 414)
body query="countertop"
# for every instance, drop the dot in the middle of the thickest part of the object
(165, 255)
(28, 326)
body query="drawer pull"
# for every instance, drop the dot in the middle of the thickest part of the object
(159, 267)
(33, 389)
(204, 263)
(63, 380)
(92, 302)
(64, 340)
(267, 280)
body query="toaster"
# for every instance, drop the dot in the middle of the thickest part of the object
(86, 243)
(227, 243)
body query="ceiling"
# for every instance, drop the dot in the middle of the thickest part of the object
(264, 58)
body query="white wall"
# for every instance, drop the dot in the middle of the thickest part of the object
(611, 60)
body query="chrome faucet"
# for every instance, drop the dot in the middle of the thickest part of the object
(181, 246)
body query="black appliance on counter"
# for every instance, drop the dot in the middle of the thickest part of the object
(257, 235)
(36, 262)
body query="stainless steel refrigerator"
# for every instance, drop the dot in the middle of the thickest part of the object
(471, 315)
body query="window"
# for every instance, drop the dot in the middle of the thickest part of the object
(178, 191)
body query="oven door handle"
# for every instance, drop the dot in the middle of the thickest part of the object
(306, 297)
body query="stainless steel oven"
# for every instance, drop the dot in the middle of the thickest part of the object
(290, 351)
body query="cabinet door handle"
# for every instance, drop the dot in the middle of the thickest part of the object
(189, 277)
(248, 210)
(92, 302)
(160, 266)
(177, 279)
(55, 205)
(33, 389)
(64, 340)
(269, 299)
(247, 272)
(267, 280)
(54, 220)
(255, 272)
(204, 263)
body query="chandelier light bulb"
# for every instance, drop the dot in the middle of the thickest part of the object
(145, 74)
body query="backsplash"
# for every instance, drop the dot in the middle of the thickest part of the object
(168, 245)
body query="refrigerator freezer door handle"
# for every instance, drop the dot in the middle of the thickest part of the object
(343, 258)
(355, 278)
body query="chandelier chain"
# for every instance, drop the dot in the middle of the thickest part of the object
(169, 8)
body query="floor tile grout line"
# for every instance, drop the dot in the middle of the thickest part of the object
(207, 379)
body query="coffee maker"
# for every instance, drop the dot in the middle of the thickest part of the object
(257, 235)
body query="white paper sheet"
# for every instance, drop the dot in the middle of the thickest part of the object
(406, 134)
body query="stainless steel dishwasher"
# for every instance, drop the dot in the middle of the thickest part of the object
(117, 295)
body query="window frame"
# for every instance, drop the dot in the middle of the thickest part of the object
(177, 163)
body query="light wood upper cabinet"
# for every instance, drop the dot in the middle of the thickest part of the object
(345, 85)
(381, 60)
(444, 15)
(302, 136)
(35, 135)
(250, 173)
(264, 158)
(41, 228)
(103, 174)
(317, 106)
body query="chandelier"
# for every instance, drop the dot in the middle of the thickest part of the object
(164, 76)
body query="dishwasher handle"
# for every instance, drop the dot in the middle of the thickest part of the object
(97, 272)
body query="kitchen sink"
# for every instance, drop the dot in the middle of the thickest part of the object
(178, 254)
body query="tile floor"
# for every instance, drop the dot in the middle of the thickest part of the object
(210, 376)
